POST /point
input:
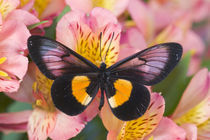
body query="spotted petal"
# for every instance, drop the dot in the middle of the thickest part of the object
(194, 93)
(204, 130)
(144, 125)
(41, 123)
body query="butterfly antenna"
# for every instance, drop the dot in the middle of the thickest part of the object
(109, 45)
(100, 45)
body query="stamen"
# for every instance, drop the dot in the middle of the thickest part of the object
(100, 46)
(109, 46)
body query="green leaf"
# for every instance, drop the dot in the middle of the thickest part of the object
(206, 63)
(94, 130)
(19, 106)
(51, 31)
(5, 102)
(174, 85)
(30, 27)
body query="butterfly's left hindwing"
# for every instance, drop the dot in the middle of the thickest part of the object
(128, 100)
(73, 93)
(55, 60)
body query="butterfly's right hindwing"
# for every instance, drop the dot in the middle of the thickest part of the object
(128, 100)
(55, 60)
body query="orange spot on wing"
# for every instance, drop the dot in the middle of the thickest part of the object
(79, 85)
(123, 92)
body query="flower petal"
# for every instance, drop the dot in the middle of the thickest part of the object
(13, 43)
(24, 93)
(23, 16)
(194, 93)
(81, 5)
(110, 122)
(191, 131)
(144, 125)
(197, 115)
(168, 130)
(41, 124)
(66, 127)
(132, 41)
(204, 130)
(143, 18)
(16, 121)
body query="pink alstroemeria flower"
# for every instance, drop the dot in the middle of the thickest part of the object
(116, 6)
(14, 121)
(180, 32)
(168, 11)
(135, 129)
(46, 121)
(193, 110)
(143, 18)
(13, 38)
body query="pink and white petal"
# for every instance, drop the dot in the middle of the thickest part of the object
(15, 121)
(24, 93)
(23, 16)
(91, 111)
(64, 32)
(191, 131)
(53, 8)
(194, 93)
(100, 17)
(14, 117)
(66, 127)
(13, 43)
(9, 6)
(168, 130)
(81, 5)
(9, 86)
(110, 122)
(131, 41)
(144, 125)
(204, 130)
(40, 124)
(119, 6)
(112, 135)
(197, 115)
(143, 18)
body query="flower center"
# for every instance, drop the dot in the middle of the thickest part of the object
(98, 47)
(42, 92)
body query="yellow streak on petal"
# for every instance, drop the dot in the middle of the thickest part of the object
(2, 60)
(108, 4)
(23, 2)
(88, 45)
(151, 138)
(5, 8)
(3, 74)
(130, 23)
(40, 5)
(196, 115)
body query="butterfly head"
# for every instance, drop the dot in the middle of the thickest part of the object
(103, 66)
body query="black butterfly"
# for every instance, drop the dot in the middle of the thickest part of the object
(77, 80)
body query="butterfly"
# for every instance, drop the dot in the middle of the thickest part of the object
(77, 80)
